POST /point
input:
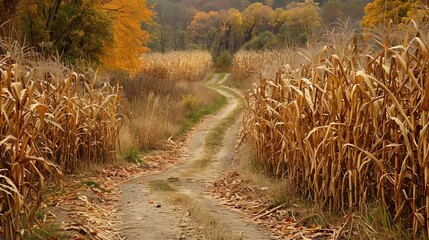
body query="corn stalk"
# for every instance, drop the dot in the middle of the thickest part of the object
(50, 122)
(351, 128)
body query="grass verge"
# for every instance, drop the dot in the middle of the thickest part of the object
(161, 185)
(212, 227)
(48, 231)
(135, 156)
(215, 137)
(195, 116)
(209, 76)
(277, 191)
(222, 75)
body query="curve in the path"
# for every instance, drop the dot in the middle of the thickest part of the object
(188, 212)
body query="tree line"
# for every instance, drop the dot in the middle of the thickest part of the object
(223, 25)
(115, 33)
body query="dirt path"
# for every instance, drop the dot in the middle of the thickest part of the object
(173, 204)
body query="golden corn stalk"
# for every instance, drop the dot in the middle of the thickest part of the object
(249, 64)
(351, 126)
(49, 122)
(178, 66)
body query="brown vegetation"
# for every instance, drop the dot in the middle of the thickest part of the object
(349, 128)
(52, 120)
(55, 120)
(163, 97)
(248, 65)
(178, 66)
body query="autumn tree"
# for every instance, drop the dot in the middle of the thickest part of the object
(204, 29)
(103, 31)
(385, 11)
(256, 19)
(129, 40)
(230, 31)
(419, 12)
(277, 21)
(251, 23)
(300, 22)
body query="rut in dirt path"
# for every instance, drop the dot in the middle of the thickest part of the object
(187, 211)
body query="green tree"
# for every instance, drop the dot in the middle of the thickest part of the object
(170, 26)
(265, 40)
(76, 29)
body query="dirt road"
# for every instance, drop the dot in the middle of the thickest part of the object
(173, 204)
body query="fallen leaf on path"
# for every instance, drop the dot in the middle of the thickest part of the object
(252, 201)
(89, 201)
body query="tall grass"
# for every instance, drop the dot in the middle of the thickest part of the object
(164, 97)
(350, 127)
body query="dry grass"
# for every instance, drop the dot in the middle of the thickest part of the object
(248, 66)
(351, 126)
(164, 97)
(276, 191)
(178, 66)
(51, 120)
(215, 137)
(159, 109)
(212, 227)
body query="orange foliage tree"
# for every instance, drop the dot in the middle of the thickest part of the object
(203, 28)
(129, 42)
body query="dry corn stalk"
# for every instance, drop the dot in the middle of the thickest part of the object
(352, 128)
(48, 122)
(178, 66)
(249, 64)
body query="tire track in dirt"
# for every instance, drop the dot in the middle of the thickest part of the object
(189, 212)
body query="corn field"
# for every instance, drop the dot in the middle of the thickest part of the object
(50, 122)
(178, 66)
(350, 126)
(250, 64)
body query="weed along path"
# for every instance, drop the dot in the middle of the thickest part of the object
(174, 204)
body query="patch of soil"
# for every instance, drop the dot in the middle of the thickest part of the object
(85, 207)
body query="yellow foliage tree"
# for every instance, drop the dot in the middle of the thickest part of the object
(395, 11)
(300, 21)
(256, 19)
(129, 42)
